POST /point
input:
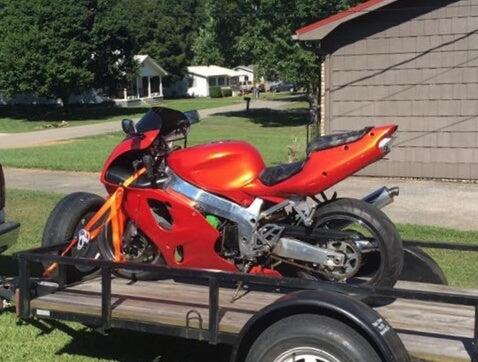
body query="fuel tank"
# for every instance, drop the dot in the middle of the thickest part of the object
(222, 168)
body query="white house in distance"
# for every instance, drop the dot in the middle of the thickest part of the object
(148, 84)
(201, 77)
(246, 73)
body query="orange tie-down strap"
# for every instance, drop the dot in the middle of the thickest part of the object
(116, 216)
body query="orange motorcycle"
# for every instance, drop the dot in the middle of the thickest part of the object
(218, 206)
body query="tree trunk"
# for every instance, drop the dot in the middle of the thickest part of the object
(314, 111)
(66, 105)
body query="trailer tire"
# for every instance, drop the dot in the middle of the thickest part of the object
(308, 336)
(69, 215)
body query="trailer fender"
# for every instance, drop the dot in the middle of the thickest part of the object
(348, 310)
(418, 266)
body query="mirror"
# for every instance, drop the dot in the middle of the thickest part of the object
(192, 116)
(128, 127)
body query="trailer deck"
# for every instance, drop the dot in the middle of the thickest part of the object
(435, 322)
(430, 331)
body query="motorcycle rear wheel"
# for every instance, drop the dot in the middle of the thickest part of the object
(379, 267)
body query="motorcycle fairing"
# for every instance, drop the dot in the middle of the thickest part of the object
(130, 146)
(189, 229)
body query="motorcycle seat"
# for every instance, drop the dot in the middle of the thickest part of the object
(275, 174)
(333, 140)
(271, 176)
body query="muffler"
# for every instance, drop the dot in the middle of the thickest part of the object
(382, 196)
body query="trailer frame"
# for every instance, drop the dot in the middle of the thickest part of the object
(29, 288)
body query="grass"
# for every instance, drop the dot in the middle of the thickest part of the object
(459, 266)
(271, 131)
(46, 340)
(33, 118)
(86, 154)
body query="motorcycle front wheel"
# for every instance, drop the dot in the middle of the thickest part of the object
(139, 249)
(374, 256)
(69, 216)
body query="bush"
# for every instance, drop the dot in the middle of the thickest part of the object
(215, 92)
(226, 92)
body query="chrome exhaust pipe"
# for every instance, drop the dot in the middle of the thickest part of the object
(382, 197)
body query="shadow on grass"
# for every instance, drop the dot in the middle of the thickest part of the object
(285, 97)
(271, 117)
(140, 346)
(34, 113)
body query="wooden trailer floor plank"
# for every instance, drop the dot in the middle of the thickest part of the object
(430, 331)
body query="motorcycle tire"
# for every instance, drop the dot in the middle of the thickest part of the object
(66, 219)
(105, 245)
(380, 268)
(311, 337)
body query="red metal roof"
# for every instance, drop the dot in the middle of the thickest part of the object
(319, 29)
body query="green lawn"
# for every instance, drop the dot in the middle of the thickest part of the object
(272, 132)
(54, 340)
(34, 118)
(459, 266)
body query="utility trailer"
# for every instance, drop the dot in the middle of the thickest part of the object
(433, 322)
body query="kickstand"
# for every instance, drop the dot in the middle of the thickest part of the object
(235, 295)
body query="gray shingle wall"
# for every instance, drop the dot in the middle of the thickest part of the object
(415, 64)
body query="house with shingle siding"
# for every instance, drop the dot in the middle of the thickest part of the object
(412, 63)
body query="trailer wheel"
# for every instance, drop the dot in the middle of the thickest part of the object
(69, 216)
(311, 337)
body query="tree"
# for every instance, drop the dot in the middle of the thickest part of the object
(220, 27)
(55, 48)
(206, 46)
(268, 26)
(260, 32)
(163, 29)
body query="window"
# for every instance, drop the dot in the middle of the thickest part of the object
(213, 81)
(155, 84)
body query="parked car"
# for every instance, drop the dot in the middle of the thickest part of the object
(8, 230)
(246, 87)
(283, 86)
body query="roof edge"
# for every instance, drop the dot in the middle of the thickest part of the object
(320, 29)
